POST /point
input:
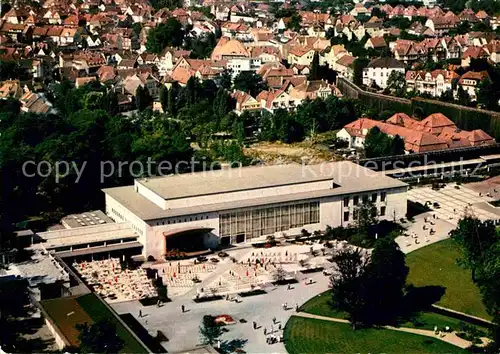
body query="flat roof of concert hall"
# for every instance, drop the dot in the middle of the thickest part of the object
(252, 177)
(347, 177)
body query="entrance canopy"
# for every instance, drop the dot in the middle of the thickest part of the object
(187, 231)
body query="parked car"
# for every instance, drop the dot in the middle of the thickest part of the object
(222, 254)
(201, 259)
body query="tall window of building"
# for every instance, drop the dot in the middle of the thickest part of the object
(374, 197)
(346, 216)
(355, 200)
(346, 202)
(382, 211)
(383, 196)
(266, 221)
(365, 199)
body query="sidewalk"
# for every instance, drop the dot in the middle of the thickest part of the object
(450, 338)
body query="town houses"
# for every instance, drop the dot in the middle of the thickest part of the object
(110, 46)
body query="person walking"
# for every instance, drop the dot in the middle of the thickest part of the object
(254, 325)
(140, 313)
(183, 308)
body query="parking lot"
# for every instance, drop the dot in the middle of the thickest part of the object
(453, 201)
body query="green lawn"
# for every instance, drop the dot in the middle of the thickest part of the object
(436, 265)
(428, 320)
(319, 305)
(98, 311)
(304, 335)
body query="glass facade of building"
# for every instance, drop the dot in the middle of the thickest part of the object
(251, 223)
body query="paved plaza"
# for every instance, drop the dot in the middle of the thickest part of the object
(182, 329)
(453, 201)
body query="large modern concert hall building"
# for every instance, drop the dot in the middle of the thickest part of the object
(230, 206)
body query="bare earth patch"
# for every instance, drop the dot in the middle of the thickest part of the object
(275, 153)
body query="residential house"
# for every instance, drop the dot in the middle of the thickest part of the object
(344, 66)
(314, 89)
(301, 55)
(238, 65)
(35, 103)
(408, 51)
(11, 89)
(434, 83)
(360, 9)
(168, 58)
(376, 43)
(493, 50)
(452, 47)
(471, 80)
(228, 48)
(378, 71)
(245, 102)
(473, 53)
(331, 56)
(266, 54)
(276, 99)
(16, 16)
(441, 25)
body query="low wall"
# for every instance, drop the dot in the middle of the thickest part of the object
(462, 316)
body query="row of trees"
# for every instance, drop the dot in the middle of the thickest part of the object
(479, 242)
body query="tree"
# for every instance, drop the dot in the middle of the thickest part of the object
(387, 272)
(397, 146)
(488, 94)
(366, 216)
(447, 96)
(294, 22)
(100, 337)
(463, 97)
(171, 101)
(315, 67)
(249, 82)
(396, 82)
(279, 275)
(209, 330)
(474, 237)
(358, 65)
(165, 34)
(223, 103)
(377, 143)
(143, 99)
(225, 79)
(349, 292)
(164, 98)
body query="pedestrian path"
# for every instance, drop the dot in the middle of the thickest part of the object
(451, 338)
